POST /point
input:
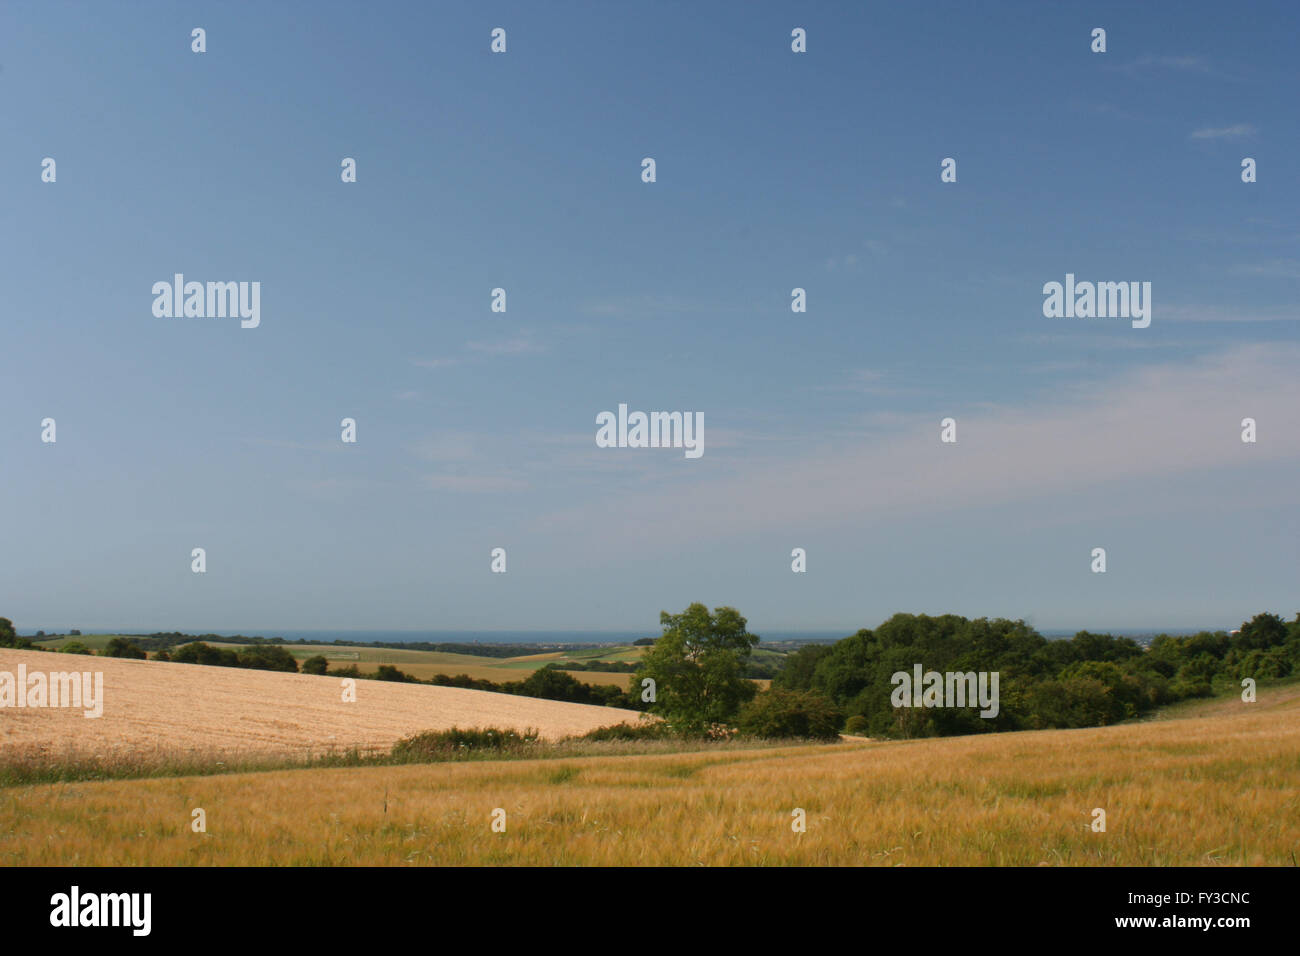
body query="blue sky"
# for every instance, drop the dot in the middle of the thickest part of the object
(521, 170)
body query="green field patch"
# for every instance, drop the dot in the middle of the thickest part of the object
(562, 774)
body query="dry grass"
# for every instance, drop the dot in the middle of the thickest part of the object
(155, 707)
(1222, 789)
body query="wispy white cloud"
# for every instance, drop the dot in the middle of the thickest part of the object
(1273, 268)
(1222, 313)
(1153, 424)
(435, 362)
(331, 489)
(519, 345)
(638, 306)
(474, 484)
(866, 381)
(1091, 341)
(297, 445)
(1150, 63)
(1224, 132)
(1194, 64)
(446, 446)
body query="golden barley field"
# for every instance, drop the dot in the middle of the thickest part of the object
(1215, 786)
(157, 707)
(426, 664)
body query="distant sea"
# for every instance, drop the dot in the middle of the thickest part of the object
(556, 637)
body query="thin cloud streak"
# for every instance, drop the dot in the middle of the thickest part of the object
(1156, 422)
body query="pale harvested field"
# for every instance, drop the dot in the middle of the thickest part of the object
(156, 707)
(1215, 790)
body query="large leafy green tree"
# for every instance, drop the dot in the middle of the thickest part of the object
(8, 637)
(1262, 631)
(698, 667)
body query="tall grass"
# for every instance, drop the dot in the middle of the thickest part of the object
(1211, 791)
(30, 766)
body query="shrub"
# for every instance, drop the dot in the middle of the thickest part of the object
(465, 681)
(8, 637)
(389, 672)
(121, 647)
(437, 745)
(315, 665)
(654, 730)
(790, 713)
(75, 647)
(857, 724)
(268, 657)
(200, 653)
(550, 684)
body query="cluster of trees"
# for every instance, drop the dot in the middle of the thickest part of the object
(547, 683)
(699, 666)
(608, 667)
(9, 637)
(1088, 681)
(162, 640)
(264, 657)
(121, 647)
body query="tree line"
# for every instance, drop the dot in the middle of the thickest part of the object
(697, 672)
(1090, 680)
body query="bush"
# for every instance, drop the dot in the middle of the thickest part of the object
(791, 713)
(8, 637)
(857, 725)
(550, 684)
(200, 653)
(465, 681)
(121, 647)
(655, 730)
(268, 657)
(315, 665)
(437, 745)
(389, 672)
(75, 647)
